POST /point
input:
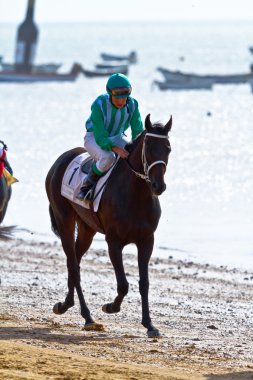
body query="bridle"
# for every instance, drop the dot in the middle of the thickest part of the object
(146, 166)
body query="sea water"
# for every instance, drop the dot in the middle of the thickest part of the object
(207, 209)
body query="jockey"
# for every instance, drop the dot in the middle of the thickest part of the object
(3, 160)
(111, 115)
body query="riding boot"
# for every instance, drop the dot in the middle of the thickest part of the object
(88, 184)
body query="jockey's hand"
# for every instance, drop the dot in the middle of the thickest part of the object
(120, 151)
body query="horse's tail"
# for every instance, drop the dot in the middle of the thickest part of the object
(53, 222)
(6, 233)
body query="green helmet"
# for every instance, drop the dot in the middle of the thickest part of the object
(119, 86)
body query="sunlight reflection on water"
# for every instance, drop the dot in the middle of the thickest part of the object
(208, 205)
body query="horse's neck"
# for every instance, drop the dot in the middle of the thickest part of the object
(135, 158)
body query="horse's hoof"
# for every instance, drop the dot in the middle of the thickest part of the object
(57, 308)
(154, 333)
(93, 327)
(107, 308)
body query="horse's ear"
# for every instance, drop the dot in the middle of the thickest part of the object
(148, 124)
(168, 125)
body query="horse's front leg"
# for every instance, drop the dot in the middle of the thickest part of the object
(115, 253)
(145, 248)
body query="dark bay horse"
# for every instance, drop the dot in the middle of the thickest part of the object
(129, 212)
(5, 192)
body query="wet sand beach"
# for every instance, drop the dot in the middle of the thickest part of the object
(203, 312)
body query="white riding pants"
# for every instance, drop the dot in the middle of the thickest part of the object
(104, 158)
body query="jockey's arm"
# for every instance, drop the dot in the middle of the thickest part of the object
(120, 151)
(136, 122)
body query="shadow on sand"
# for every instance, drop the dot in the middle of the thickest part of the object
(245, 375)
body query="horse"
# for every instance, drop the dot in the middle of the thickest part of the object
(5, 195)
(129, 212)
(5, 191)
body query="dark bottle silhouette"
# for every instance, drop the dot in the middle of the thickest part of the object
(26, 41)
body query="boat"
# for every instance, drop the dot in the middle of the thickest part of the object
(15, 77)
(251, 85)
(130, 58)
(114, 66)
(181, 77)
(172, 85)
(103, 72)
(45, 68)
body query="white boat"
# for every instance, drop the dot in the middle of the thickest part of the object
(191, 85)
(181, 77)
(130, 58)
(103, 72)
(14, 77)
(43, 68)
(112, 65)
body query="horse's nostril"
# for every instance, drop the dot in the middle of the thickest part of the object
(158, 188)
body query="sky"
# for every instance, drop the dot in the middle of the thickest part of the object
(135, 10)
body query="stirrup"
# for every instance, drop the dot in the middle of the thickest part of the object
(88, 196)
(84, 196)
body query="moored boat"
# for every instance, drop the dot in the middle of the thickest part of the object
(130, 58)
(251, 85)
(14, 77)
(103, 72)
(42, 68)
(181, 77)
(192, 85)
(114, 66)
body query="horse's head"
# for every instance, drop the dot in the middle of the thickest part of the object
(155, 154)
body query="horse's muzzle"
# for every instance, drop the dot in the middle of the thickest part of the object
(158, 188)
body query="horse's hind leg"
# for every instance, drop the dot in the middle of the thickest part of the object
(115, 253)
(83, 241)
(145, 249)
(62, 307)
(66, 229)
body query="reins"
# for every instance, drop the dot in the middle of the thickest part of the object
(146, 166)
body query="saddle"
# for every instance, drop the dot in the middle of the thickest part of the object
(73, 179)
(9, 177)
(6, 171)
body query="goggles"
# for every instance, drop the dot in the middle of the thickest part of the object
(120, 91)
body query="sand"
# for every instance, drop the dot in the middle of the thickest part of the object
(203, 312)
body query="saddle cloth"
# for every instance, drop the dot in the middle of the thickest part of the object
(73, 179)
(9, 177)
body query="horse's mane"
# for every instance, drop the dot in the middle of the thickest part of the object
(131, 145)
(158, 129)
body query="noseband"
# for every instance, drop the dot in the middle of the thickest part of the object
(146, 166)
